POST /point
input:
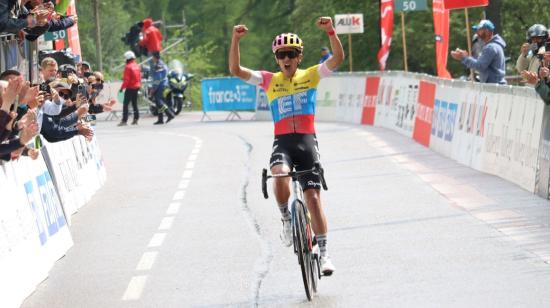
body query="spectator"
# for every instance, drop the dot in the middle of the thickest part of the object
(528, 59)
(325, 54)
(152, 38)
(14, 17)
(131, 82)
(491, 61)
(540, 80)
(84, 69)
(159, 70)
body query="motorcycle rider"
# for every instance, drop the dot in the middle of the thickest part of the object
(159, 71)
(177, 84)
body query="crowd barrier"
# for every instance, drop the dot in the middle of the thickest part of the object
(37, 199)
(491, 128)
(228, 94)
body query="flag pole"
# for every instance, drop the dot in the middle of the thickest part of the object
(469, 39)
(350, 55)
(404, 42)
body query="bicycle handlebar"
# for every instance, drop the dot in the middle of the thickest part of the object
(294, 175)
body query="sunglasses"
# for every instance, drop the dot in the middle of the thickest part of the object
(66, 96)
(291, 54)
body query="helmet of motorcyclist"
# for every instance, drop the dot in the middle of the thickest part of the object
(537, 30)
(129, 55)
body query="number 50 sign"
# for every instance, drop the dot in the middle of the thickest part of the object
(410, 5)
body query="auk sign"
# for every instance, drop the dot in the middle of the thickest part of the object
(349, 23)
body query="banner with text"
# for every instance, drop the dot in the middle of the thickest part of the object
(227, 94)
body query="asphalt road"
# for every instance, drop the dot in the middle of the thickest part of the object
(181, 222)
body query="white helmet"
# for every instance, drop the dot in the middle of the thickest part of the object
(129, 55)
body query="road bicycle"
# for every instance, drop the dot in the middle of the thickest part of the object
(302, 234)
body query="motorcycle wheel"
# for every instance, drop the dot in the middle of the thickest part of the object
(178, 102)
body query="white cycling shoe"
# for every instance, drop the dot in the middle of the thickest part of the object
(327, 268)
(286, 233)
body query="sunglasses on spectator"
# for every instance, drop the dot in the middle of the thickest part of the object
(65, 95)
(291, 54)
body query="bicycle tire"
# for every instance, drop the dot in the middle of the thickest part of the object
(302, 249)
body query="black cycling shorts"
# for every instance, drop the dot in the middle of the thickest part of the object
(299, 152)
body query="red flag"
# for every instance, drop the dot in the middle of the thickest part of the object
(441, 27)
(72, 32)
(461, 4)
(386, 31)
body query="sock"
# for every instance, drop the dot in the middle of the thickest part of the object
(322, 242)
(284, 211)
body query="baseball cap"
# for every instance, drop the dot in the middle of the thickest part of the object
(485, 24)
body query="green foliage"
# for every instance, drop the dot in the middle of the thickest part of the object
(210, 23)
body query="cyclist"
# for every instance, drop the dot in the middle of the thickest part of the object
(292, 98)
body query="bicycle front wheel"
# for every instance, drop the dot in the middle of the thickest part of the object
(302, 246)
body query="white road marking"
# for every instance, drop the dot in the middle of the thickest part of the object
(173, 208)
(192, 157)
(187, 174)
(166, 223)
(157, 240)
(135, 288)
(190, 165)
(183, 184)
(147, 260)
(179, 195)
(195, 151)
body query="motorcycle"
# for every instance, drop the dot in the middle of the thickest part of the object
(178, 81)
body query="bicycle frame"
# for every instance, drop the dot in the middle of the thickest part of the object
(302, 233)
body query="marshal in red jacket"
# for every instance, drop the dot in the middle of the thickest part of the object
(152, 38)
(132, 76)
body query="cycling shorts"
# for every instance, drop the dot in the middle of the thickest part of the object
(299, 152)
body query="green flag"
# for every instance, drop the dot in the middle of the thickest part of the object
(62, 6)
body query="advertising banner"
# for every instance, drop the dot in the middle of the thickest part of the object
(445, 117)
(227, 94)
(372, 84)
(349, 106)
(348, 23)
(461, 4)
(396, 107)
(36, 229)
(328, 93)
(424, 113)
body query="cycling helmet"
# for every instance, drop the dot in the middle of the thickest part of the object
(287, 40)
(129, 55)
(537, 30)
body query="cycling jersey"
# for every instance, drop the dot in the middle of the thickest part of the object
(292, 101)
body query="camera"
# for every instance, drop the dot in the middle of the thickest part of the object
(45, 87)
(89, 118)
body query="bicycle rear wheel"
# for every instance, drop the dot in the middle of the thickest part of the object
(303, 247)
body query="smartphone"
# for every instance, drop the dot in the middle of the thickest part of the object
(90, 118)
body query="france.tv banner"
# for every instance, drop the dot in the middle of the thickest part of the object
(227, 94)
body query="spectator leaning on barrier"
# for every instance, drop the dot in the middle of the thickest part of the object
(541, 80)
(14, 17)
(491, 61)
(131, 82)
(532, 51)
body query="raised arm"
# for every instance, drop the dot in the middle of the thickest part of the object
(325, 23)
(235, 67)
